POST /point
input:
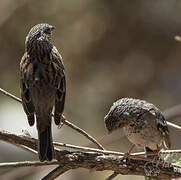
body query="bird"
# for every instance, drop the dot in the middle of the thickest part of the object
(43, 85)
(143, 124)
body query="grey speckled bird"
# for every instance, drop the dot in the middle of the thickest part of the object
(43, 85)
(143, 123)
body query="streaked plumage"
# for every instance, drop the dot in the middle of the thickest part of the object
(143, 123)
(43, 85)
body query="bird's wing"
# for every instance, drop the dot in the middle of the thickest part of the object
(25, 92)
(59, 82)
(160, 122)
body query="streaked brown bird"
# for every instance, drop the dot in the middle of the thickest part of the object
(143, 123)
(43, 85)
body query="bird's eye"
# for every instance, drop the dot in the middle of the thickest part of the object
(47, 31)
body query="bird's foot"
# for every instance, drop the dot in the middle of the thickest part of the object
(127, 154)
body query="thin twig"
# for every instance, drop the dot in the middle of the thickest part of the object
(56, 172)
(63, 119)
(112, 176)
(88, 149)
(27, 164)
(106, 152)
(27, 149)
(173, 125)
(81, 131)
(10, 95)
(161, 152)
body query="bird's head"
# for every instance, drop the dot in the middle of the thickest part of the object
(113, 122)
(116, 117)
(39, 33)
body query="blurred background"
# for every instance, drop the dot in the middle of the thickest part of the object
(111, 49)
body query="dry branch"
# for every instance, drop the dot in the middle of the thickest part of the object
(31, 143)
(112, 176)
(10, 95)
(27, 164)
(90, 160)
(81, 131)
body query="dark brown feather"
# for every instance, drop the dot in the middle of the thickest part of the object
(42, 85)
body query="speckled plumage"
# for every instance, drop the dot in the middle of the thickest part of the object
(43, 85)
(143, 123)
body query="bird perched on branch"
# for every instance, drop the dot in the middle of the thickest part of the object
(43, 85)
(143, 123)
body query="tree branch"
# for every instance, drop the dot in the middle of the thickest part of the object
(57, 172)
(88, 149)
(27, 164)
(10, 95)
(81, 131)
(98, 161)
(112, 176)
(31, 143)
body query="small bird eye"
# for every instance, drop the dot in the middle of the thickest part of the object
(47, 31)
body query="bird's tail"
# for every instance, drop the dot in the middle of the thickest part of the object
(45, 144)
(166, 141)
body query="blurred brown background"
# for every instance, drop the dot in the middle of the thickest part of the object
(111, 49)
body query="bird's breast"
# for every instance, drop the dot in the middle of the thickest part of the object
(147, 136)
